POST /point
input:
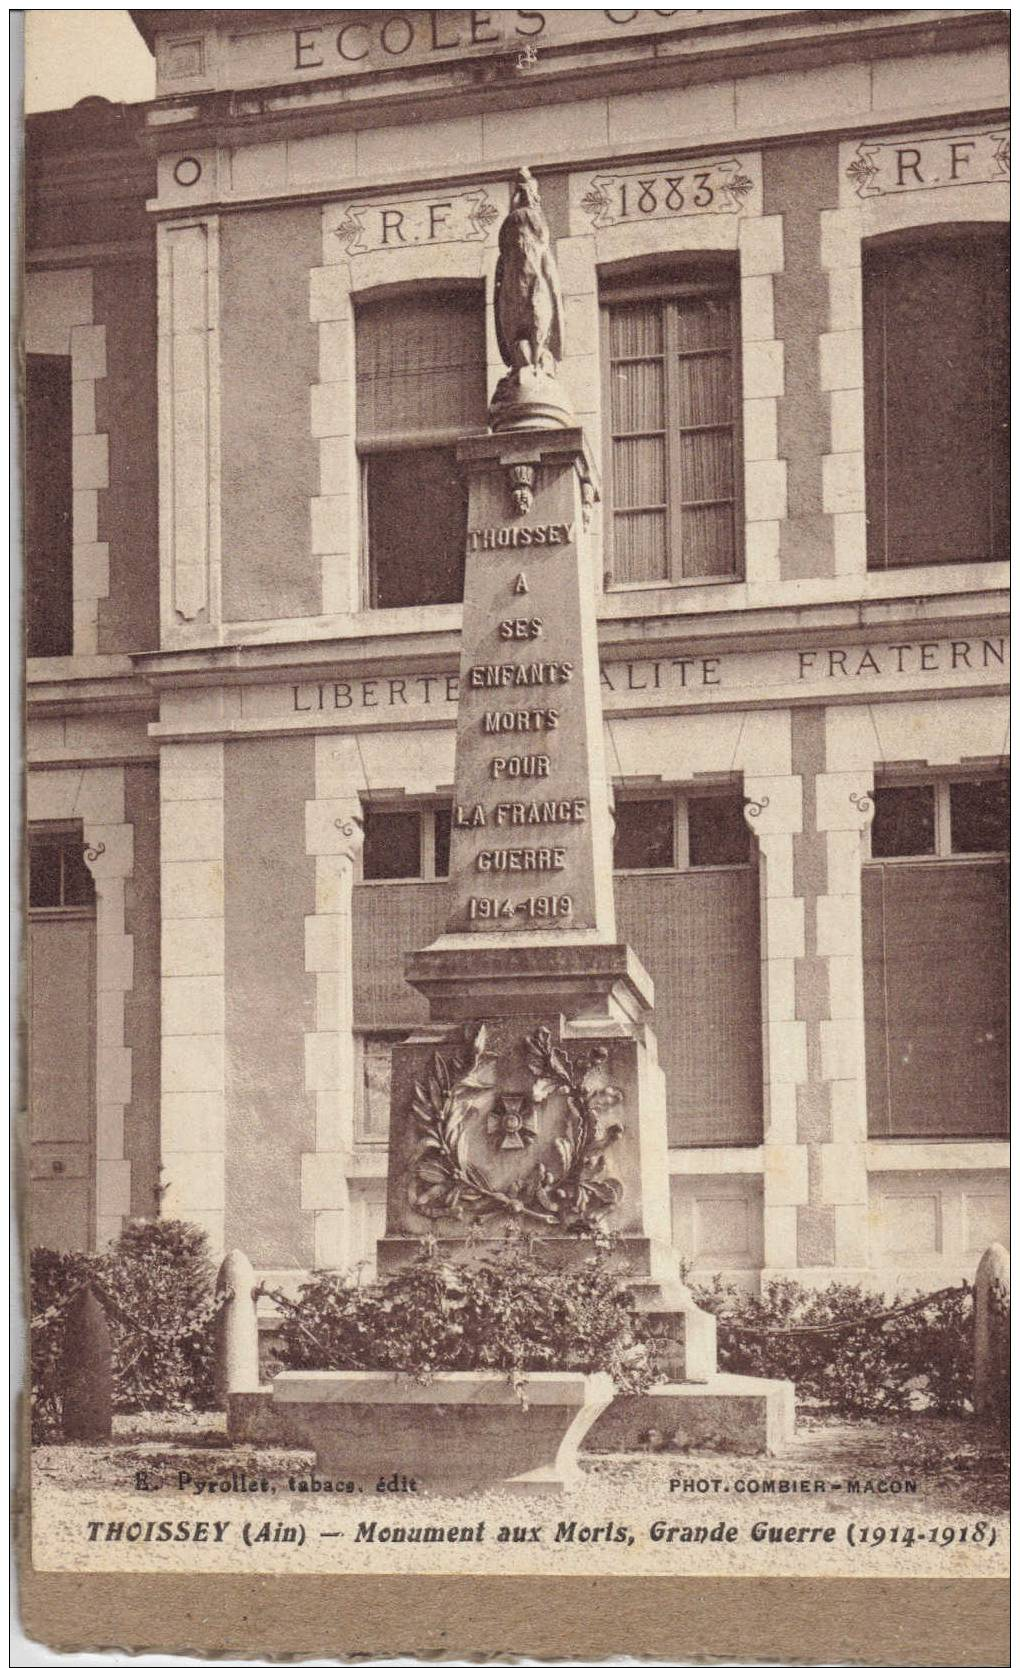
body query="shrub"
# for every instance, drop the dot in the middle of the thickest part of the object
(921, 1359)
(156, 1285)
(54, 1277)
(509, 1312)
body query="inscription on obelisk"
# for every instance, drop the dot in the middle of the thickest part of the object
(530, 825)
(530, 849)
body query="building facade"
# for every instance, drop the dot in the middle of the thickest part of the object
(257, 320)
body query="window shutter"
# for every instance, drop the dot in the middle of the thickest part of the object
(637, 421)
(936, 1001)
(386, 920)
(420, 367)
(48, 502)
(704, 423)
(936, 409)
(699, 937)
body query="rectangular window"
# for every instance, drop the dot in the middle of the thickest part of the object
(717, 835)
(683, 831)
(406, 844)
(936, 987)
(420, 387)
(946, 818)
(904, 821)
(58, 877)
(687, 900)
(644, 835)
(48, 504)
(979, 815)
(671, 354)
(936, 357)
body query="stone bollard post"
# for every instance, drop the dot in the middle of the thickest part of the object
(237, 1332)
(87, 1370)
(991, 1335)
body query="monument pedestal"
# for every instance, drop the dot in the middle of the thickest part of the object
(547, 1125)
(521, 1123)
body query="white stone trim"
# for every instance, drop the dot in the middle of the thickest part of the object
(189, 429)
(333, 838)
(959, 1230)
(736, 110)
(841, 347)
(59, 318)
(699, 1202)
(193, 1042)
(97, 798)
(938, 1155)
(934, 733)
(716, 1161)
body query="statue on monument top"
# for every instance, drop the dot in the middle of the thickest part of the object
(529, 309)
(529, 318)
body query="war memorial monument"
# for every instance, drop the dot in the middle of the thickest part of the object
(542, 1110)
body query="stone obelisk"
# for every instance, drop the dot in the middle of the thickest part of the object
(542, 1105)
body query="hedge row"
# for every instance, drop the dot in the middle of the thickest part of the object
(157, 1288)
(893, 1363)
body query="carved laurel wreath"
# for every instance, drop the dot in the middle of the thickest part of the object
(573, 1196)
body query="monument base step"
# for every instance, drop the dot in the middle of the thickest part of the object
(730, 1414)
(252, 1417)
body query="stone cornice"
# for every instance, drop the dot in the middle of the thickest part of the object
(599, 68)
(92, 254)
(56, 687)
(750, 630)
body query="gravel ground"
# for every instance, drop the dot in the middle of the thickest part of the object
(955, 1462)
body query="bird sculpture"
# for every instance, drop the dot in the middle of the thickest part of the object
(528, 304)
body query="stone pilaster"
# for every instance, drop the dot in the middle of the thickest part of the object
(189, 425)
(773, 811)
(815, 1170)
(109, 853)
(193, 1117)
(839, 1176)
(90, 475)
(334, 839)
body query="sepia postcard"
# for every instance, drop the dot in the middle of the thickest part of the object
(513, 1114)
